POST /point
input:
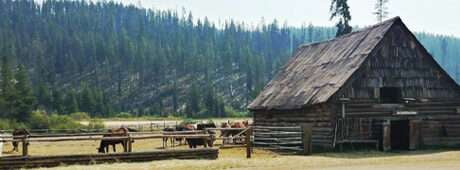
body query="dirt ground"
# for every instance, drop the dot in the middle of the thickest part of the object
(234, 158)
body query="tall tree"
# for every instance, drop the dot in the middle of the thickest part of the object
(340, 10)
(381, 10)
(8, 91)
(444, 52)
(25, 100)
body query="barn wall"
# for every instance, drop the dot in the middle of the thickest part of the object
(400, 61)
(319, 116)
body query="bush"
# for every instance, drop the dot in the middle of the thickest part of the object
(6, 124)
(63, 122)
(232, 113)
(188, 121)
(80, 116)
(96, 124)
(124, 115)
(39, 120)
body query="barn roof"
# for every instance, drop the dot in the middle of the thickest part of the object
(318, 70)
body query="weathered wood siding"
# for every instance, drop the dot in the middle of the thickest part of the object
(319, 116)
(400, 61)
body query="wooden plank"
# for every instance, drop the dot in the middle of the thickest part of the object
(386, 136)
(306, 138)
(414, 134)
(16, 162)
(248, 142)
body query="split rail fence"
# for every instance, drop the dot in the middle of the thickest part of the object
(292, 138)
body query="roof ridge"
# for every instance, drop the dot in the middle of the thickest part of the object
(391, 20)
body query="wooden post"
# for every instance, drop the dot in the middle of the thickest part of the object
(414, 140)
(386, 142)
(25, 146)
(248, 142)
(130, 143)
(306, 138)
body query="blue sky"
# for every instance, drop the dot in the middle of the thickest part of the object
(434, 16)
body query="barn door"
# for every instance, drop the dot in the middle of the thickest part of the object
(414, 136)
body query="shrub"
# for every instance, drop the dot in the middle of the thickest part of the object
(232, 113)
(96, 124)
(6, 124)
(188, 121)
(63, 122)
(124, 115)
(80, 116)
(39, 120)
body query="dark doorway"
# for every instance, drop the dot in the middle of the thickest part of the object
(400, 134)
(390, 94)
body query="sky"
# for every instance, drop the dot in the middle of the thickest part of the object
(433, 16)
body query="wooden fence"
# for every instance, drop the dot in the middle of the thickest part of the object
(295, 138)
(18, 162)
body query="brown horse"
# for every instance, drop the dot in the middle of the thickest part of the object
(233, 132)
(105, 143)
(19, 134)
(194, 142)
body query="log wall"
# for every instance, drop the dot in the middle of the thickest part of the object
(319, 116)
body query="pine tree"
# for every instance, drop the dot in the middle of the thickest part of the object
(25, 100)
(381, 10)
(340, 9)
(444, 52)
(44, 98)
(8, 91)
(87, 101)
(71, 102)
(193, 102)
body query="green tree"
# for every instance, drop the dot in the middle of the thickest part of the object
(340, 9)
(193, 102)
(25, 100)
(71, 102)
(8, 91)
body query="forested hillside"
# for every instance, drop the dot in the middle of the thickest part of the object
(104, 58)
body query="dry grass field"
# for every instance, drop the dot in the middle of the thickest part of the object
(235, 159)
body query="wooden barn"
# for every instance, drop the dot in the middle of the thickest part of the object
(377, 85)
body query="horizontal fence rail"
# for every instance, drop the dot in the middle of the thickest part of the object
(293, 138)
(15, 162)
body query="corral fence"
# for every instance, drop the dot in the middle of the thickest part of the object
(19, 162)
(26, 160)
(287, 138)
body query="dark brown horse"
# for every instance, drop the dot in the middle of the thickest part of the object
(194, 142)
(105, 143)
(19, 134)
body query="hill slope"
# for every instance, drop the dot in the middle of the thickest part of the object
(105, 57)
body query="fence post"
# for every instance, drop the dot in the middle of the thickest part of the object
(386, 143)
(25, 146)
(130, 143)
(248, 142)
(306, 138)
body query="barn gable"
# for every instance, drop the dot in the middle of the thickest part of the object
(318, 71)
(400, 61)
